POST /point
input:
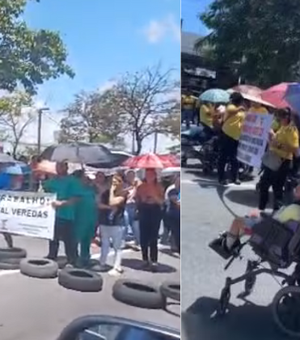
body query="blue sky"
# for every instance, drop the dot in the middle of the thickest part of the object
(106, 38)
(189, 11)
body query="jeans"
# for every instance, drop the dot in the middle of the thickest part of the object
(115, 233)
(187, 116)
(150, 217)
(63, 231)
(132, 222)
(228, 153)
(276, 180)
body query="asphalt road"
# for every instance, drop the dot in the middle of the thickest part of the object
(207, 209)
(33, 309)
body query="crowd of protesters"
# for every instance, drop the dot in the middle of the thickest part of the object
(123, 209)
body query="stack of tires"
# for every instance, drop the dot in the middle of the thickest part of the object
(10, 258)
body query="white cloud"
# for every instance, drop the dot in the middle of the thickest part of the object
(158, 30)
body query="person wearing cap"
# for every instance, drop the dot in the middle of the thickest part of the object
(229, 139)
(283, 146)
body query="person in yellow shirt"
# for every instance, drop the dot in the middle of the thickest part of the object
(258, 109)
(283, 146)
(188, 106)
(229, 140)
(206, 117)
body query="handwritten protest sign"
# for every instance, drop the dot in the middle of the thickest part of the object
(254, 138)
(27, 213)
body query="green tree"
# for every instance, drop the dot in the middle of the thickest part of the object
(28, 56)
(261, 39)
(16, 114)
(90, 118)
(143, 100)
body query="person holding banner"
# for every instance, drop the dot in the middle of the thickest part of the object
(229, 139)
(277, 160)
(67, 190)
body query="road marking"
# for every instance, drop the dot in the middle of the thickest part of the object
(93, 257)
(214, 182)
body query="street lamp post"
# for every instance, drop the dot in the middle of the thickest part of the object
(39, 131)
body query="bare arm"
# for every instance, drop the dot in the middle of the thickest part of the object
(115, 200)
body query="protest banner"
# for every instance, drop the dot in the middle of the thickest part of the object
(254, 139)
(27, 213)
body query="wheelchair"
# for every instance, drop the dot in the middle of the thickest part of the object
(277, 245)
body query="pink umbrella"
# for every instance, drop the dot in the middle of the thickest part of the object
(276, 95)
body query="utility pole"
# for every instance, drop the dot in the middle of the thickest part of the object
(155, 142)
(39, 131)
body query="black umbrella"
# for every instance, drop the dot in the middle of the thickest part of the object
(84, 153)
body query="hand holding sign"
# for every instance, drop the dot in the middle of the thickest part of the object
(56, 204)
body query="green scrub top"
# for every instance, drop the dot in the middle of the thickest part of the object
(65, 187)
(86, 212)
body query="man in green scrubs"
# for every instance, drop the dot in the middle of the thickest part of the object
(66, 188)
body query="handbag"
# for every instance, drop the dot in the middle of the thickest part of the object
(272, 161)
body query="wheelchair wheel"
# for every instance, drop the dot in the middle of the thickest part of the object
(286, 310)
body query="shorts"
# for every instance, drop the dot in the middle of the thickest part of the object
(250, 222)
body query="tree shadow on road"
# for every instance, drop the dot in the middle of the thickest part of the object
(245, 322)
(247, 197)
(138, 265)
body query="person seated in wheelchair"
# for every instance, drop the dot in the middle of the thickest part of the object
(229, 241)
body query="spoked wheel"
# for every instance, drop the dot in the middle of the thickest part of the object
(224, 301)
(286, 310)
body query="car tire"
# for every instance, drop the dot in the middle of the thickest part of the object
(39, 268)
(12, 253)
(138, 294)
(171, 290)
(10, 264)
(80, 280)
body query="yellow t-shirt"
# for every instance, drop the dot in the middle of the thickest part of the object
(258, 110)
(234, 118)
(286, 135)
(206, 113)
(289, 213)
(188, 102)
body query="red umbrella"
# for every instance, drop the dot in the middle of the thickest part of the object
(275, 95)
(248, 89)
(151, 161)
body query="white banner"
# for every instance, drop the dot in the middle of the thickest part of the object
(254, 138)
(27, 213)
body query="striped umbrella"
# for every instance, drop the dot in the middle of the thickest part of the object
(151, 161)
(247, 89)
(276, 95)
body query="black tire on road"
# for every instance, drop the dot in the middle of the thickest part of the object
(138, 294)
(81, 280)
(12, 253)
(39, 268)
(10, 264)
(171, 290)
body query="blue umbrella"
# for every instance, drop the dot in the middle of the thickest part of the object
(19, 168)
(292, 96)
(215, 96)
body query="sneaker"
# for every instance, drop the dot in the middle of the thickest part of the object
(237, 182)
(154, 267)
(223, 182)
(115, 272)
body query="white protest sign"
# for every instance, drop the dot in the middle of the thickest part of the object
(254, 138)
(27, 213)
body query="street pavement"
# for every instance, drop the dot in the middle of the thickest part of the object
(208, 209)
(34, 309)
